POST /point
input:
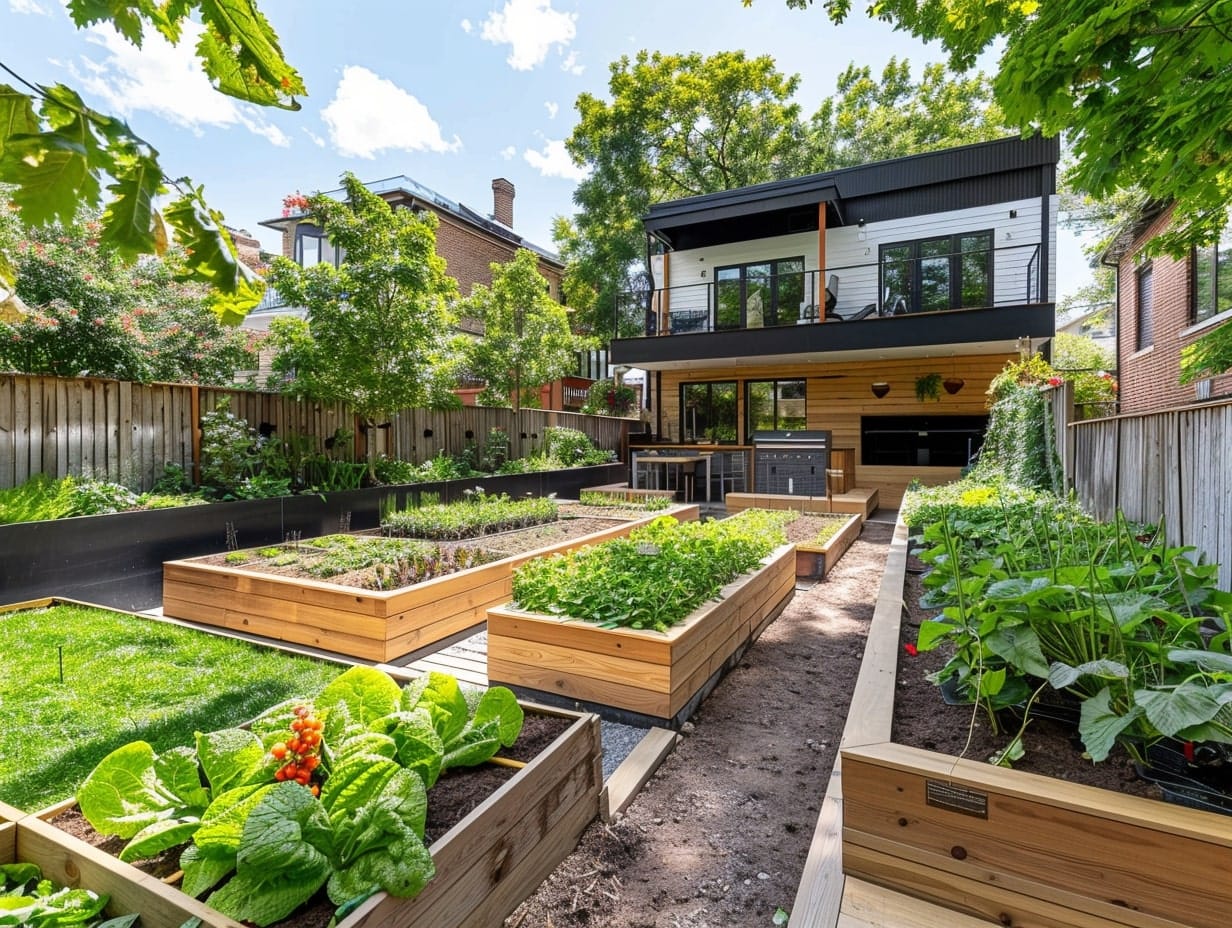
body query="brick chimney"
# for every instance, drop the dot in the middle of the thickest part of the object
(502, 202)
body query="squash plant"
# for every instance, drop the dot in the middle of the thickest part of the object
(1133, 627)
(325, 792)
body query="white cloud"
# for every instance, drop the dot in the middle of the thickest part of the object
(313, 137)
(28, 7)
(370, 114)
(530, 28)
(508, 152)
(571, 65)
(165, 80)
(554, 161)
(552, 108)
(467, 26)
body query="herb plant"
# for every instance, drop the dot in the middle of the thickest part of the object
(479, 515)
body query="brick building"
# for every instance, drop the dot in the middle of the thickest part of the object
(469, 241)
(1163, 304)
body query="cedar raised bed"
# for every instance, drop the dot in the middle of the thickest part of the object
(368, 624)
(817, 560)
(661, 676)
(74, 863)
(485, 865)
(1026, 849)
(1004, 845)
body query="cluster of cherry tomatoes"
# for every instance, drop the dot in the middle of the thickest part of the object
(300, 752)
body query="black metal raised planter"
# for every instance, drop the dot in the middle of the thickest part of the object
(117, 560)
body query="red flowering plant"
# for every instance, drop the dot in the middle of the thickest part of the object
(295, 202)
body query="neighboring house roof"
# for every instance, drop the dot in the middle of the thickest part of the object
(1132, 230)
(1006, 167)
(391, 187)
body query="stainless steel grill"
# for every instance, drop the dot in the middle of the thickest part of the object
(791, 463)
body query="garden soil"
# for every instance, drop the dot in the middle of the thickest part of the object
(719, 835)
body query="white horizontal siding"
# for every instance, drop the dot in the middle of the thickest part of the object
(852, 254)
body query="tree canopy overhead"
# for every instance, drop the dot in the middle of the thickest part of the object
(58, 153)
(1142, 88)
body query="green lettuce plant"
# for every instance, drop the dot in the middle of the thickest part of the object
(263, 844)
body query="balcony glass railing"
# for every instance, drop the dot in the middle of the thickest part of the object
(895, 286)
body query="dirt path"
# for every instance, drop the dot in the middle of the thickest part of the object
(719, 835)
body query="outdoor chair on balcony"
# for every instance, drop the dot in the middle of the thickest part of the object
(832, 297)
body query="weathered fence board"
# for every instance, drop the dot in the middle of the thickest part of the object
(127, 433)
(1171, 464)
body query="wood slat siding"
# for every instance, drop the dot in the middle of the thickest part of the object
(1171, 464)
(839, 394)
(126, 432)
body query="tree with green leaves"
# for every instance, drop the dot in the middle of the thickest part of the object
(870, 120)
(91, 313)
(676, 125)
(58, 153)
(526, 340)
(1142, 89)
(378, 329)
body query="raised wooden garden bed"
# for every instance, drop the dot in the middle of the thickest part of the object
(1002, 845)
(1025, 849)
(485, 865)
(657, 675)
(859, 501)
(70, 862)
(817, 560)
(368, 624)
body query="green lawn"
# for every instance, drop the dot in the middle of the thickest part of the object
(125, 679)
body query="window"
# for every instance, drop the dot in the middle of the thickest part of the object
(931, 274)
(921, 441)
(763, 293)
(1212, 278)
(1146, 305)
(311, 247)
(708, 412)
(774, 405)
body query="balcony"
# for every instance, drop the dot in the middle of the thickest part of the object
(974, 301)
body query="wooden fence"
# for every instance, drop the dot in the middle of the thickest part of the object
(126, 432)
(1171, 465)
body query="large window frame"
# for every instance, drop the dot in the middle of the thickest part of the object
(775, 405)
(938, 273)
(708, 411)
(320, 250)
(1210, 274)
(759, 293)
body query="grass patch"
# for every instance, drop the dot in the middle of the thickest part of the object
(125, 679)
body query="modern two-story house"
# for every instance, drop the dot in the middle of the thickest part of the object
(873, 304)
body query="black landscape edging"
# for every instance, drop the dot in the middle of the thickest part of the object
(116, 560)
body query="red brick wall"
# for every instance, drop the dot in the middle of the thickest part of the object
(1150, 377)
(468, 254)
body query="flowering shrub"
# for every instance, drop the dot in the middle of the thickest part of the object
(94, 314)
(295, 201)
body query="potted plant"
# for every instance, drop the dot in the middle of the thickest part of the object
(928, 387)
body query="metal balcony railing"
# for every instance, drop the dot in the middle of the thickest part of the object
(983, 279)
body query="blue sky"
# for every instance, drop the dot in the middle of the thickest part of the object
(452, 94)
